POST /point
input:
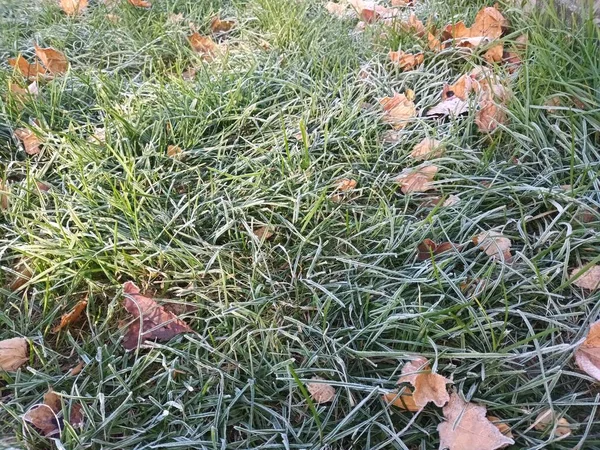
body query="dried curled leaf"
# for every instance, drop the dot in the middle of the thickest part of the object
(13, 353)
(590, 280)
(428, 386)
(55, 62)
(487, 26)
(31, 71)
(30, 141)
(343, 185)
(548, 419)
(403, 399)
(587, 355)
(429, 247)
(494, 244)
(467, 428)
(156, 322)
(221, 26)
(489, 116)
(417, 180)
(45, 416)
(406, 61)
(321, 392)
(203, 45)
(370, 11)
(494, 54)
(71, 317)
(174, 151)
(398, 110)
(73, 7)
(428, 148)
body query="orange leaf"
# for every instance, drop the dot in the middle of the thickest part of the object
(156, 323)
(428, 386)
(428, 148)
(417, 180)
(590, 280)
(77, 369)
(398, 110)
(429, 247)
(30, 141)
(587, 355)
(221, 26)
(406, 61)
(174, 151)
(71, 317)
(13, 353)
(489, 116)
(140, 3)
(55, 62)
(467, 428)
(494, 54)
(488, 23)
(29, 70)
(73, 7)
(343, 185)
(203, 44)
(402, 401)
(433, 43)
(321, 392)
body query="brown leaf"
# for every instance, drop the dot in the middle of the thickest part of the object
(411, 25)
(77, 369)
(44, 419)
(494, 244)
(547, 419)
(401, 3)
(73, 7)
(52, 399)
(76, 416)
(503, 427)
(429, 247)
(406, 61)
(55, 62)
(174, 151)
(13, 353)
(71, 317)
(417, 180)
(343, 185)
(489, 116)
(30, 71)
(428, 386)
(203, 45)
(398, 110)
(23, 274)
(433, 43)
(494, 54)
(338, 9)
(487, 26)
(30, 141)
(467, 428)
(140, 3)
(587, 355)
(404, 400)
(451, 200)
(22, 94)
(428, 148)
(221, 26)
(452, 106)
(263, 233)
(3, 195)
(156, 323)
(590, 280)
(370, 11)
(321, 392)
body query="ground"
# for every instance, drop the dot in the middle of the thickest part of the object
(267, 131)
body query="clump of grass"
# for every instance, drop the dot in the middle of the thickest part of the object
(336, 292)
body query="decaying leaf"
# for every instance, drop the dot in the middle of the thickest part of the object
(31, 71)
(140, 3)
(489, 116)
(13, 353)
(487, 26)
(23, 273)
(30, 141)
(398, 110)
(428, 247)
(467, 428)
(77, 369)
(46, 417)
(54, 61)
(452, 106)
(428, 148)
(434, 44)
(73, 7)
(156, 323)
(503, 427)
(411, 25)
(406, 61)
(402, 399)
(174, 151)
(71, 317)
(263, 233)
(221, 26)
(494, 244)
(22, 94)
(370, 11)
(587, 355)
(590, 280)
(343, 185)
(320, 392)
(203, 45)
(417, 180)
(494, 54)
(547, 419)
(428, 386)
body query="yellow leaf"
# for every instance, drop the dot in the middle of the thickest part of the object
(13, 353)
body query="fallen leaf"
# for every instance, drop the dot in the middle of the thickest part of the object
(370, 11)
(175, 18)
(140, 3)
(452, 106)
(73, 7)
(503, 427)
(402, 399)
(428, 386)
(400, 3)
(398, 110)
(221, 26)
(590, 280)
(71, 317)
(467, 428)
(433, 43)
(77, 369)
(494, 244)
(24, 273)
(487, 26)
(321, 392)
(13, 353)
(412, 25)
(76, 416)
(406, 61)
(337, 9)
(263, 233)
(31, 71)
(587, 355)
(494, 54)
(343, 185)
(23, 94)
(489, 116)
(44, 419)
(189, 74)
(428, 247)
(174, 151)
(451, 200)
(428, 148)
(203, 45)
(547, 419)
(30, 141)
(156, 323)
(3, 195)
(417, 180)
(54, 61)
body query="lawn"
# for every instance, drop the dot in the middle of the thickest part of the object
(255, 197)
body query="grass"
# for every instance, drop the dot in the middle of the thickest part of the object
(336, 292)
